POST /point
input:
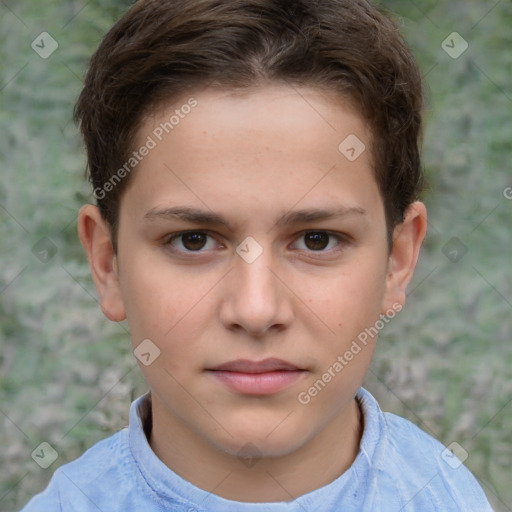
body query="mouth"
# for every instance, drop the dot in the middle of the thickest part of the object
(257, 377)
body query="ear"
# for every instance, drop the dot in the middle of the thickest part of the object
(95, 236)
(407, 239)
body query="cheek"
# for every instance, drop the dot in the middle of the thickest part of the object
(349, 299)
(169, 307)
(152, 305)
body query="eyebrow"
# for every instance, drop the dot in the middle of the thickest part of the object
(204, 217)
(315, 215)
(192, 215)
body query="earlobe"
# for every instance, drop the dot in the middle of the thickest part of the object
(407, 239)
(95, 236)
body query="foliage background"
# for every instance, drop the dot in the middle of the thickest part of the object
(67, 375)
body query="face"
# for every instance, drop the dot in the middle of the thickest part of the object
(252, 253)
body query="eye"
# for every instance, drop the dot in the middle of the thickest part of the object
(318, 241)
(191, 241)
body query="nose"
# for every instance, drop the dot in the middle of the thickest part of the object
(254, 298)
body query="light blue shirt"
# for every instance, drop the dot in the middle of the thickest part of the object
(398, 468)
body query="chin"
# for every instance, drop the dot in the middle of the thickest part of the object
(257, 443)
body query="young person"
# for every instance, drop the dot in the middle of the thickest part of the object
(256, 169)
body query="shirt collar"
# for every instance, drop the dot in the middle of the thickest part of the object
(170, 487)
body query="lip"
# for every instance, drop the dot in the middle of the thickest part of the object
(247, 366)
(257, 377)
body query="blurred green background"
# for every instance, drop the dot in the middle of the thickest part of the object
(67, 375)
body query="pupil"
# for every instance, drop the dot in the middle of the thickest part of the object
(194, 241)
(317, 241)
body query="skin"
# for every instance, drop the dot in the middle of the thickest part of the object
(253, 158)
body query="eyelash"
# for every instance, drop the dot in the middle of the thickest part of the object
(177, 236)
(342, 240)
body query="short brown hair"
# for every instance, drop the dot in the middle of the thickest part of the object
(162, 48)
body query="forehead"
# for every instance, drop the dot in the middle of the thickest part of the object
(253, 149)
(304, 114)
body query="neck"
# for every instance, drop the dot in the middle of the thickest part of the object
(314, 464)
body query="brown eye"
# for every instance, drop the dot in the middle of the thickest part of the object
(194, 241)
(321, 242)
(316, 240)
(192, 244)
